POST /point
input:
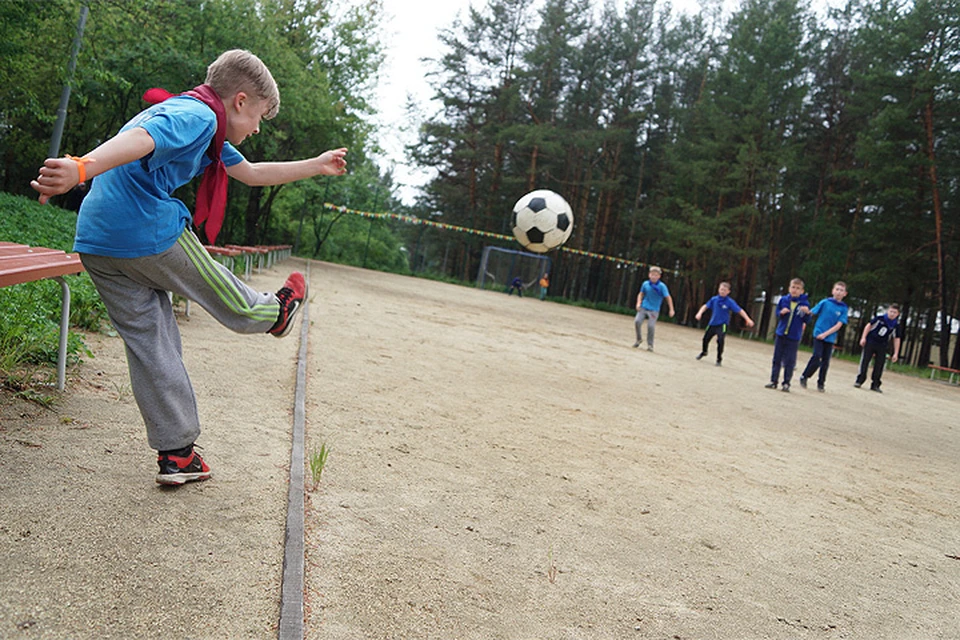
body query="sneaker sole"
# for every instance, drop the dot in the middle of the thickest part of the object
(293, 315)
(176, 479)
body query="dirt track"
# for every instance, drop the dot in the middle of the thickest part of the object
(507, 468)
(500, 468)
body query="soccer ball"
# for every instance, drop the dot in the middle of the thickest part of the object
(542, 220)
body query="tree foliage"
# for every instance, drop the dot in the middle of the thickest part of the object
(325, 59)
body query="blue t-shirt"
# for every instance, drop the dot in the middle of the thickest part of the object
(129, 212)
(829, 312)
(653, 295)
(721, 307)
(882, 327)
(791, 325)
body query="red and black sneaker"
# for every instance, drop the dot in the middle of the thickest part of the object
(291, 297)
(179, 469)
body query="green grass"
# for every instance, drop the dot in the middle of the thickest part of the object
(318, 460)
(30, 312)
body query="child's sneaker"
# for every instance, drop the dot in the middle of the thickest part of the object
(701, 354)
(803, 382)
(291, 296)
(770, 385)
(177, 470)
(786, 387)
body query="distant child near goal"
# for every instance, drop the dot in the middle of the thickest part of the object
(135, 241)
(832, 314)
(720, 306)
(791, 312)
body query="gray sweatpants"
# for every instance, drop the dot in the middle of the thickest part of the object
(651, 318)
(134, 291)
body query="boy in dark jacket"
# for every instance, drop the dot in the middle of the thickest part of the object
(791, 311)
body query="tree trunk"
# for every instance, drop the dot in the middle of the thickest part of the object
(938, 225)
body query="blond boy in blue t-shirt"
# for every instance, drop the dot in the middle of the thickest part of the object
(135, 240)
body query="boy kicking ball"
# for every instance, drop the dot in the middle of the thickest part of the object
(135, 241)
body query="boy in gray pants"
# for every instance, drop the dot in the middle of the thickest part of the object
(135, 240)
(649, 299)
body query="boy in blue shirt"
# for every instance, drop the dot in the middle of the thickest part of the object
(720, 307)
(831, 315)
(791, 311)
(649, 299)
(136, 243)
(874, 341)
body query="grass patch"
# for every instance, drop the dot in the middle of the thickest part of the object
(318, 460)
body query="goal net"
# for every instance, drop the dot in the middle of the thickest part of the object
(500, 266)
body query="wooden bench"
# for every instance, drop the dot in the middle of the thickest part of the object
(934, 369)
(224, 254)
(20, 264)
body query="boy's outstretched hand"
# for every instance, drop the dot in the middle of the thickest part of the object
(56, 176)
(334, 162)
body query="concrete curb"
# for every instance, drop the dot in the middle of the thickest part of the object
(291, 593)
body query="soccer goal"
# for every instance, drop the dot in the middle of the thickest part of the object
(500, 266)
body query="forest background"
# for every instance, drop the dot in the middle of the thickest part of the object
(751, 146)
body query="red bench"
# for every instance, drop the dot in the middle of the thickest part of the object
(269, 253)
(954, 373)
(20, 263)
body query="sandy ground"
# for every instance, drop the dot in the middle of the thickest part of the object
(507, 468)
(91, 547)
(500, 468)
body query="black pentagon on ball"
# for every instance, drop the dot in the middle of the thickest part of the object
(537, 204)
(534, 235)
(563, 222)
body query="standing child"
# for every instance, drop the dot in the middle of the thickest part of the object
(720, 307)
(649, 300)
(544, 285)
(831, 315)
(874, 341)
(135, 241)
(791, 310)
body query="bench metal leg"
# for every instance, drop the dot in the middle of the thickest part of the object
(64, 333)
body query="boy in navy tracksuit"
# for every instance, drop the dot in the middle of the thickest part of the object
(791, 311)
(874, 341)
(720, 305)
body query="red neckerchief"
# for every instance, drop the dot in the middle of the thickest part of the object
(212, 194)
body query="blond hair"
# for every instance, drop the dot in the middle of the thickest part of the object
(656, 269)
(238, 70)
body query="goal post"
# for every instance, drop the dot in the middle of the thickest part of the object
(499, 266)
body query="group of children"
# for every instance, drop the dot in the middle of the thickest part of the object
(793, 314)
(136, 242)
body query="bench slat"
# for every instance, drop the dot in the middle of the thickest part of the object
(38, 266)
